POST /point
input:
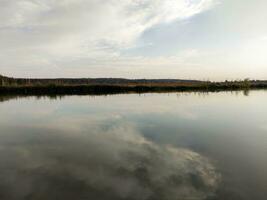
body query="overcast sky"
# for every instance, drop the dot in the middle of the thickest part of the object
(188, 39)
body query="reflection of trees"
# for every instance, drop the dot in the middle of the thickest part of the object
(4, 98)
(246, 92)
(7, 98)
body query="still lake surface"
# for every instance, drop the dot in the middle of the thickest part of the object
(179, 146)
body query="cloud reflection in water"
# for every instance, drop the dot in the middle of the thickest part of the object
(101, 163)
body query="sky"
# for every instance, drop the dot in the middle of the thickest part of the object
(183, 39)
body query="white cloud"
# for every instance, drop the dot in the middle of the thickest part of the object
(52, 31)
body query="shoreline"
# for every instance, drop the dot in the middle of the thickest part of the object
(121, 89)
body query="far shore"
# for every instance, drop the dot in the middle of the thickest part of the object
(95, 86)
(119, 89)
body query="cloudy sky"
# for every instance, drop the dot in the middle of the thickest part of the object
(190, 39)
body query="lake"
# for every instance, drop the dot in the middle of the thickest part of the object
(178, 146)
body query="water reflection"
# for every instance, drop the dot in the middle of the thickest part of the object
(246, 92)
(101, 163)
(150, 146)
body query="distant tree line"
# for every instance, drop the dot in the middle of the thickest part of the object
(110, 85)
(6, 81)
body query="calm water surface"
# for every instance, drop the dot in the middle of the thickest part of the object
(134, 147)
